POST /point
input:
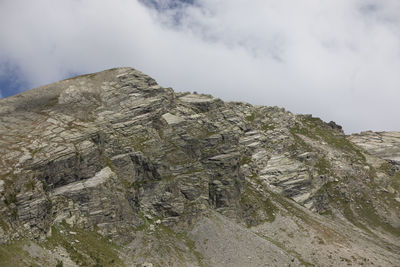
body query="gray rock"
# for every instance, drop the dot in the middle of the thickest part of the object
(385, 145)
(116, 154)
(1, 186)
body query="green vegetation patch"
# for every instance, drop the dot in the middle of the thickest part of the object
(316, 129)
(245, 160)
(396, 181)
(251, 117)
(256, 207)
(4, 225)
(30, 186)
(10, 198)
(204, 132)
(85, 247)
(323, 166)
(14, 255)
(359, 211)
(169, 243)
(139, 143)
(267, 127)
(140, 183)
(390, 170)
(165, 233)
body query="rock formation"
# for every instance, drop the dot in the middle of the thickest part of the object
(112, 169)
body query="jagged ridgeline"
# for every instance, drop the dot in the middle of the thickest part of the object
(111, 169)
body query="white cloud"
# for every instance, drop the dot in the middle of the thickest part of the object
(335, 59)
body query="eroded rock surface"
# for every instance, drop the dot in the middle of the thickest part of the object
(118, 158)
(385, 145)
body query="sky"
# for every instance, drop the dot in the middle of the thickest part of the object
(338, 60)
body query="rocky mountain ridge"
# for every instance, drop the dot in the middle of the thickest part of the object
(141, 174)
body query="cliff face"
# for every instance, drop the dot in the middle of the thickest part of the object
(138, 173)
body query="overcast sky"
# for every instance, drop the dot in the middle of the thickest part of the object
(336, 59)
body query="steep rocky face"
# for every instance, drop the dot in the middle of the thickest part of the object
(114, 155)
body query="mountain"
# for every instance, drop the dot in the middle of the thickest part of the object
(111, 169)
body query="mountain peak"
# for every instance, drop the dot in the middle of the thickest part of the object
(115, 169)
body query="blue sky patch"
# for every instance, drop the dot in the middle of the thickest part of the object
(11, 81)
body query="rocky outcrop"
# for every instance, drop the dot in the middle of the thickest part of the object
(116, 131)
(114, 155)
(385, 145)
